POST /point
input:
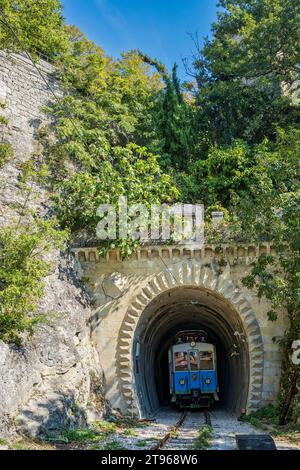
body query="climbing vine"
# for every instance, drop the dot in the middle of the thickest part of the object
(24, 245)
(6, 150)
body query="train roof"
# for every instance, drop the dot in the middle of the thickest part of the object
(198, 345)
(187, 336)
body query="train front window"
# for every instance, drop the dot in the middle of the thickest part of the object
(206, 360)
(181, 361)
(193, 360)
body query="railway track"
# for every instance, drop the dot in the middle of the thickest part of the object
(162, 442)
(184, 432)
(207, 418)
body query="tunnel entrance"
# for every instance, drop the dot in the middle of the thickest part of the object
(189, 308)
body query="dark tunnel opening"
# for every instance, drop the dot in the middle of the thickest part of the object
(162, 370)
(182, 309)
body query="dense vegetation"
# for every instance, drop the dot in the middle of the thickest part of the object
(39, 26)
(23, 265)
(228, 138)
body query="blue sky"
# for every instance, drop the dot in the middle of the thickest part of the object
(159, 28)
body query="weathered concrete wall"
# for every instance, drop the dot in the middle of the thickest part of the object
(52, 378)
(120, 290)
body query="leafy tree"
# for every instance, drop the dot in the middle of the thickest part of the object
(259, 187)
(270, 210)
(225, 170)
(277, 278)
(173, 120)
(95, 158)
(138, 88)
(38, 24)
(128, 171)
(247, 73)
(23, 246)
(237, 110)
(254, 38)
(107, 104)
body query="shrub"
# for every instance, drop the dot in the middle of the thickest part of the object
(6, 152)
(22, 269)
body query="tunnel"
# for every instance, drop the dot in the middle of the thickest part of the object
(185, 308)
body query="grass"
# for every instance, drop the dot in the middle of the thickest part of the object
(106, 427)
(203, 437)
(266, 415)
(146, 442)
(128, 422)
(93, 438)
(18, 445)
(79, 435)
(130, 433)
(96, 437)
(113, 445)
(26, 443)
(267, 419)
(95, 447)
(99, 431)
(142, 443)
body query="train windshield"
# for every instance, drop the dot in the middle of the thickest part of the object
(194, 360)
(181, 361)
(206, 360)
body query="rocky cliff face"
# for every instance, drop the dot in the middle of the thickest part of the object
(54, 380)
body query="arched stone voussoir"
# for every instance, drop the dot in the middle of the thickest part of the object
(190, 273)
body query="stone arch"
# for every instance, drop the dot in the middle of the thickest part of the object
(190, 274)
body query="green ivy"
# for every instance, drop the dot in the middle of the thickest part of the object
(129, 171)
(23, 247)
(6, 152)
(39, 25)
(3, 120)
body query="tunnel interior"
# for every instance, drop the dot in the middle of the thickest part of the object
(188, 308)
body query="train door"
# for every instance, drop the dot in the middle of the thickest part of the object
(181, 382)
(207, 372)
(194, 373)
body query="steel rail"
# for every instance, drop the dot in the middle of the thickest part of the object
(168, 435)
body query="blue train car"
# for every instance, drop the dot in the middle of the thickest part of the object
(193, 371)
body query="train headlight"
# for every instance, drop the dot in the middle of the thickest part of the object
(182, 382)
(207, 381)
(193, 344)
